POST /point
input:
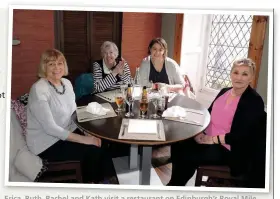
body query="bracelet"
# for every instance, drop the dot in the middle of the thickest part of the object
(213, 140)
(219, 141)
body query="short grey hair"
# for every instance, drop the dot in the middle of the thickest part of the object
(245, 62)
(48, 56)
(109, 44)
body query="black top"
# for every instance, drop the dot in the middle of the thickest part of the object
(158, 77)
(100, 62)
(247, 134)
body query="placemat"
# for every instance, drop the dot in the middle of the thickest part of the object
(159, 136)
(195, 118)
(84, 116)
(109, 96)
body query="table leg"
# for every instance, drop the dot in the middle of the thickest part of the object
(133, 157)
(145, 165)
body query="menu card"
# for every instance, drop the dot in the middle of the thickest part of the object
(142, 126)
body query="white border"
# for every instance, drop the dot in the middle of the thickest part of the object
(267, 12)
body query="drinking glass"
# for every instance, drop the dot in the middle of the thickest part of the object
(119, 99)
(143, 107)
(160, 105)
(155, 101)
(150, 85)
(123, 88)
(129, 99)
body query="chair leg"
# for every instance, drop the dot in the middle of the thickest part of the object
(198, 178)
(79, 175)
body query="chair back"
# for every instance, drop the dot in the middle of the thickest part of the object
(84, 85)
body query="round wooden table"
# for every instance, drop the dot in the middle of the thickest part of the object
(109, 129)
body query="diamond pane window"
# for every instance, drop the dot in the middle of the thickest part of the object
(229, 39)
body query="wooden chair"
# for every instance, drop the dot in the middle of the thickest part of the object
(66, 171)
(217, 172)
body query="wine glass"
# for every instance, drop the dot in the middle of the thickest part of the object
(119, 99)
(143, 107)
(123, 88)
(155, 101)
(160, 105)
(132, 82)
(150, 85)
(129, 99)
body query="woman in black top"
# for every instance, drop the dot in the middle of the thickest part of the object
(242, 148)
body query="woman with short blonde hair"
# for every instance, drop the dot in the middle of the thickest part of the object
(246, 62)
(51, 55)
(51, 133)
(235, 136)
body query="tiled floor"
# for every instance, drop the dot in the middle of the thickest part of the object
(131, 177)
(160, 173)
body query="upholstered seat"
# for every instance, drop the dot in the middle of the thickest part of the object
(24, 166)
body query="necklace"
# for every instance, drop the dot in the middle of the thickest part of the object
(233, 94)
(57, 91)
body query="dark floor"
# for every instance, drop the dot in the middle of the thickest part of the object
(161, 163)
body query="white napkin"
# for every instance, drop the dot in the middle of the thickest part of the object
(175, 111)
(154, 95)
(137, 92)
(96, 109)
(178, 113)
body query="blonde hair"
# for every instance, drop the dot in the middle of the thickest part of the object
(51, 55)
(245, 62)
(108, 44)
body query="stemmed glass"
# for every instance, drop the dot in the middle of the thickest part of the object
(123, 88)
(143, 107)
(155, 101)
(119, 99)
(129, 100)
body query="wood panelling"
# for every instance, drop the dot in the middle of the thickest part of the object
(178, 37)
(75, 42)
(102, 22)
(256, 44)
(80, 35)
(35, 30)
(137, 32)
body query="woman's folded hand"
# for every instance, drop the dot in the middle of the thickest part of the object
(91, 140)
(203, 139)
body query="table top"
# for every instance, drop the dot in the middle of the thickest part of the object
(109, 128)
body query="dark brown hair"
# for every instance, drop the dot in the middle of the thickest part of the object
(159, 41)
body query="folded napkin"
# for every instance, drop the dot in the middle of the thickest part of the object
(175, 111)
(154, 95)
(96, 109)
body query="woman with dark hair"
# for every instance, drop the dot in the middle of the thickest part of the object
(158, 68)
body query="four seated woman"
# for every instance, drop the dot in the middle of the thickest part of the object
(51, 133)
(108, 74)
(236, 131)
(158, 68)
